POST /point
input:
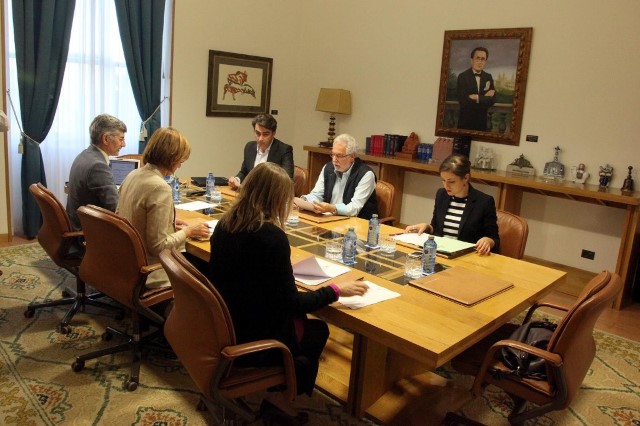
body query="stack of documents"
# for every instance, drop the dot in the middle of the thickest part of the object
(447, 247)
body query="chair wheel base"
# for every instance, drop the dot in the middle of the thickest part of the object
(77, 366)
(131, 385)
(64, 329)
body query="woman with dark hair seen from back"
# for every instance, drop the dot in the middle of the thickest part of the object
(461, 211)
(251, 267)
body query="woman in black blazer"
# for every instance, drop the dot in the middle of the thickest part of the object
(460, 210)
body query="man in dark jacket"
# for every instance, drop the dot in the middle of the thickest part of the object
(90, 178)
(265, 148)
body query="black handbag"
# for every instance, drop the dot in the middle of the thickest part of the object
(523, 364)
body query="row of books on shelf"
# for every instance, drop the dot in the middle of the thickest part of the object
(387, 144)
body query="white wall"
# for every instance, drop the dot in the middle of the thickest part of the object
(582, 92)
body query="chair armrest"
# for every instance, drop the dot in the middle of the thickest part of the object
(73, 234)
(231, 353)
(388, 220)
(150, 268)
(537, 305)
(553, 359)
(236, 351)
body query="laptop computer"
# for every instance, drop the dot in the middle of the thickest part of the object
(121, 167)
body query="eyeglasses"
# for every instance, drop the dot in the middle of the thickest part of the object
(339, 156)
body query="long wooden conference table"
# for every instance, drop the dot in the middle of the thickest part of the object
(405, 336)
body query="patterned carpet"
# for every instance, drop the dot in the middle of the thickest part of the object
(38, 387)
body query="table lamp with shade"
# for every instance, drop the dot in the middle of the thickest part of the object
(333, 101)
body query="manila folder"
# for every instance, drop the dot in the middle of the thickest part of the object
(462, 285)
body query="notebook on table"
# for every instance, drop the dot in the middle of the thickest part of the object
(449, 248)
(462, 285)
(121, 167)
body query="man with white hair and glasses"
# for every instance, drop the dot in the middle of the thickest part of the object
(346, 185)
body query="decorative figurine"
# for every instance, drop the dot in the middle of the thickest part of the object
(627, 186)
(579, 174)
(484, 159)
(410, 147)
(605, 173)
(521, 167)
(554, 169)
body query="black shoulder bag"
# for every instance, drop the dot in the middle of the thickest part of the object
(523, 364)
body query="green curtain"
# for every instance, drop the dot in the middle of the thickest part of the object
(141, 26)
(42, 32)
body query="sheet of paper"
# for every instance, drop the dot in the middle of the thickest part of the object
(194, 205)
(375, 294)
(212, 225)
(445, 245)
(314, 270)
(412, 238)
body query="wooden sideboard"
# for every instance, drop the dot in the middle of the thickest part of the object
(509, 197)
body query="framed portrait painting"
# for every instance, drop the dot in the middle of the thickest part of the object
(483, 81)
(238, 85)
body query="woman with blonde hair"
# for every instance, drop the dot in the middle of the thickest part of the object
(250, 265)
(146, 200)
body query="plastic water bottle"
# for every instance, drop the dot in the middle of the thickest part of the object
(211, 183)
(429, 256)
(374, 232)
(175, 189)
(349, 247)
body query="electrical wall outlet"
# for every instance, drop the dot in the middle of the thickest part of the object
(588, 254)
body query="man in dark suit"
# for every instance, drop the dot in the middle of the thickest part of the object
(266, 148)
(476, 93)
(90, 178)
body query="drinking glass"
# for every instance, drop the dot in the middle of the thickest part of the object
(334, 250)
(216, 196)
(294, 215)
(387, 244)
(413, 266)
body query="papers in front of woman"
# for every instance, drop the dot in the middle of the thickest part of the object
(314, 270)
(194, 205)
(446, 246)
(375, 294)
(212, 225)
